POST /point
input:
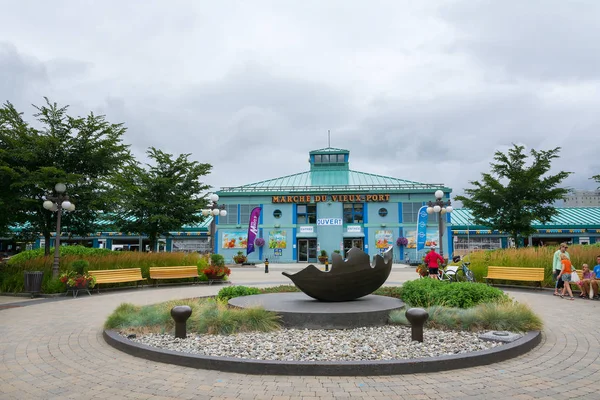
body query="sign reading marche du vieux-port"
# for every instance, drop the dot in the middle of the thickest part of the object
(308, 198)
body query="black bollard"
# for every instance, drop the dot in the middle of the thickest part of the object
(180, 314)
(266, 265)
(417, 318)
(327, 265)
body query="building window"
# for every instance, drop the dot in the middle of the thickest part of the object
(277, 213)
(232, 215)
(245, 210)
(383, 212)
(317, 159)
(306, 214)
(353, 213)
(410, 211)
(471, 243)
(340, 158)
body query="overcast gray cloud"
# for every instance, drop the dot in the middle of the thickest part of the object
(423, 92)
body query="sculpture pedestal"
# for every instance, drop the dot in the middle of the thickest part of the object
(298, 310)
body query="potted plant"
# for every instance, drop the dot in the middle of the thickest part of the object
(74, 280)
(401, 241)
(240, 258)
(323, 257)
(422, 270)
(215, 272)
(259, 242)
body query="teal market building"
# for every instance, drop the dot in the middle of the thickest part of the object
(329, 207)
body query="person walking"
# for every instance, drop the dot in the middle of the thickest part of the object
(565, 275)
(557, 266)
(433, 261)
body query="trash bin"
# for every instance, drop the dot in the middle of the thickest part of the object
(33, 282)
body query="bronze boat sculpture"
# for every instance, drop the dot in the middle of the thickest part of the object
(347, 280)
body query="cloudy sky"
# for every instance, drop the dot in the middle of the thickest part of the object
(424, 91)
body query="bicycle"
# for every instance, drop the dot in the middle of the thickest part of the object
(454, 273)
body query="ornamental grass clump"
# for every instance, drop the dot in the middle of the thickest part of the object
(505, 315)
(209, 316)
(429, 292)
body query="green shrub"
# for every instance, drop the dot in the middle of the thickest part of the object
(202, 264)
(80, 266)
(279, 289)
(217, 260)
(236, 291)
(429, 292)
(389, 291)
(53, 286)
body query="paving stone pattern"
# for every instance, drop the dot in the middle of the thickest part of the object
(55, 350)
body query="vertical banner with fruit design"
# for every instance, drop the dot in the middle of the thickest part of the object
(252, 229)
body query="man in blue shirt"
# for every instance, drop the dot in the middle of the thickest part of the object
(597, 273)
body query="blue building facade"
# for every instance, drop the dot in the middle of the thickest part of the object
(329, 207)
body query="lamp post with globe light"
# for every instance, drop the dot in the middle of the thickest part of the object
(214, 209)
(58, 203)
(442, 207)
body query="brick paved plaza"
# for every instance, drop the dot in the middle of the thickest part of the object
(55, 350)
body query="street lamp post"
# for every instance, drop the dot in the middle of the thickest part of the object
(442, 207)
(57, 203)
(214, 209)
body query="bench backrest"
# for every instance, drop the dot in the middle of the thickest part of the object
(516, 273)
(117, 275)
(188, 271)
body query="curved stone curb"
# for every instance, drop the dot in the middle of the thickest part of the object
(325, 368)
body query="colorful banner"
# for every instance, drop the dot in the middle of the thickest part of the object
(277, 240)
(235, 240)
(252, 229)
(422, 228)
(431, 238)
(383, 239)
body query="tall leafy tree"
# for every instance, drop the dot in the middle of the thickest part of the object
(162, 197)
(82, 152)
(515, 194)
(597, 179)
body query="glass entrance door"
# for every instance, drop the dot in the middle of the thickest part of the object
(307, 250)
(350, 243)
(312, 250)
(302, 250)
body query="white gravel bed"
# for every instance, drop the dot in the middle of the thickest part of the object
(390, 342)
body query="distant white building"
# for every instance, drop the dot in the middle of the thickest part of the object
(582, 198)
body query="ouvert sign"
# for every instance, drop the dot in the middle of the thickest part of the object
(329, 221)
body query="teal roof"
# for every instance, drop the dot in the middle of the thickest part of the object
(566, 218)
(331, 179)
(328, 150)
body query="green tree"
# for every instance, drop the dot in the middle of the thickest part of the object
(518, 194)
(162, 197)
(82, 152)
(597, 179)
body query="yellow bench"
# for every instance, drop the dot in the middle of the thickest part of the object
(189, 271)
(516, 274)
(117, 276)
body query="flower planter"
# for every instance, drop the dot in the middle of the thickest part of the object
(322, 259)
(213, 277)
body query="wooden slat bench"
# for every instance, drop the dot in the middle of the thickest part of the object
(117, 276)
(516, 274)
(189, 271)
